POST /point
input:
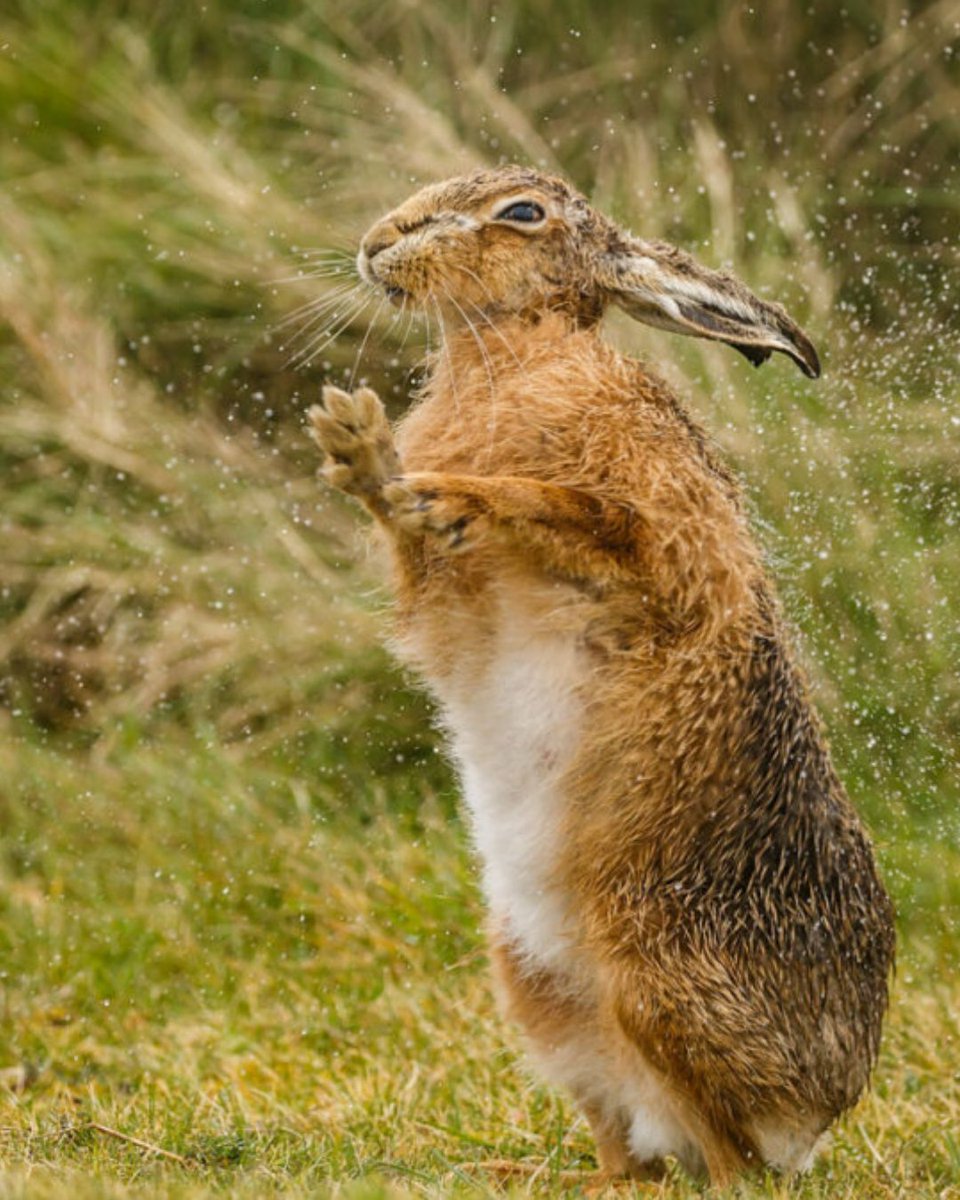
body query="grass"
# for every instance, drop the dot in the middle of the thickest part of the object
(286, 993)
(238, 918)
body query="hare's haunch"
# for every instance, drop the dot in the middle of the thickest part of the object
(685, 916)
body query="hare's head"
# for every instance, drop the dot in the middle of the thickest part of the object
(512, 241)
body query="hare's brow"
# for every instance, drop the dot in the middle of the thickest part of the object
(410, 226)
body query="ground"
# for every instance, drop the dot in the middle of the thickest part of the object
(279, 998)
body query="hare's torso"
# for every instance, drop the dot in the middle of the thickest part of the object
(635, 794)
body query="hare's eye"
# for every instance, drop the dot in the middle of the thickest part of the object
(522, 210)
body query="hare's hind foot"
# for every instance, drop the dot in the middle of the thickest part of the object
(352, 430)
(615, 1156)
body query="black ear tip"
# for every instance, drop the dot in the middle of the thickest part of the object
(757, 355)
(808, 361)
(803, 355)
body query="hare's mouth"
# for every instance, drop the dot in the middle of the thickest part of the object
(396, 295)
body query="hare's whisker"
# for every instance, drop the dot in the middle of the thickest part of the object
(428, 329)
(445, 352)
(411, 321)
(328, 320)
(488, 367)
(397, 323)
(481, 345)
(485, 317)
(476, 278)
(306, 274)
(311, 306)
(334, 299)
(316, 324)
(334, 256)
(364, 340)
(307, 355)
(339, 320)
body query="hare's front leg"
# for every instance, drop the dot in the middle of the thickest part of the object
(571, 533)
(352, 430)
(439, 506)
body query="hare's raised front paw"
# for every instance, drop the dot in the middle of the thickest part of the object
(422, 505)
(352, 430)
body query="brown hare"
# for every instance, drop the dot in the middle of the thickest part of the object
(685, 916)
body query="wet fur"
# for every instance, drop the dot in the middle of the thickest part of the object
(686, 917)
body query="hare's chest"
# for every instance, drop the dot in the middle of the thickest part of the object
(515, 727)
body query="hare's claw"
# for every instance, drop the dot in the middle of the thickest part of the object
(352, 430)
(428, 510)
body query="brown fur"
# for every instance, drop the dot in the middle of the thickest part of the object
(733, 940)
(550, 1016)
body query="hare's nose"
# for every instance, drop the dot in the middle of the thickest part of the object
(379, 238)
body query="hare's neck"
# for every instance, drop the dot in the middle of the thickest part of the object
(495, 395)
(479, 355)
(485, 363)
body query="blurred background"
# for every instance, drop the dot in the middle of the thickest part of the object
(208, 762)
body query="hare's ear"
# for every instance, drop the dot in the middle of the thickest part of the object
(660, 285)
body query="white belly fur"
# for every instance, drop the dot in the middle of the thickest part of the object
(514, 731)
